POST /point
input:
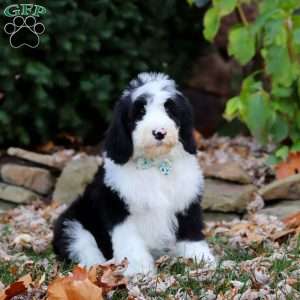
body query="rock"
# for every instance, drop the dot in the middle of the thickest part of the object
(57, 160)
(288, 188)
(230, 171)
(282, 209)
(210, 216)
(5, 205)
(74, 178)
(36, 179)
(16, 194)
(226, 197)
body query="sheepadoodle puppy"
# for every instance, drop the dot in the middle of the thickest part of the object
(144, 200)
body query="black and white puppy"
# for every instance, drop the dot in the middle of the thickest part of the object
(144, 200)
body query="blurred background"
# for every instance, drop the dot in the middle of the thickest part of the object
(66, 87)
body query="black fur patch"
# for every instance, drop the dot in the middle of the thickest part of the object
(190, 224)
(118, 142)
(179, 109)
(98, 210)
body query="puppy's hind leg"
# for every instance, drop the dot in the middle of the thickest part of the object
(190, 240)
(81, 244)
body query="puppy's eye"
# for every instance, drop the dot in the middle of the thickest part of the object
(170, 106)
(139, 110)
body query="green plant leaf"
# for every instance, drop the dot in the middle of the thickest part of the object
(296, 146)
(275, 33)
(289, 5)
(211, 23)
(281, 92)
(278, 65)
(272, 160)
(232, 108)
(225, 7)
(296, 36)
(241, 44)
(282, 152)
(279, 129)
(258, 116)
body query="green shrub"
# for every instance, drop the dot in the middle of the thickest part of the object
(269, 101)
(87, 55)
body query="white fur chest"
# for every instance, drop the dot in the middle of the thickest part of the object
(152, 198)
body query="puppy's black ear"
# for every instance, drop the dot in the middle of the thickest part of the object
(118, 142)
(186, 131)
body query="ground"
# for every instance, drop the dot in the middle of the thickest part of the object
(258, 258)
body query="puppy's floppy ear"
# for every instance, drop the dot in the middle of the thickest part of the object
(118, 142)
(186, 131)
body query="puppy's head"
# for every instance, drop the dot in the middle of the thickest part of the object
(149, 120)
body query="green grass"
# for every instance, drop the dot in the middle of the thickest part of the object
(43, 263)
(220, 282)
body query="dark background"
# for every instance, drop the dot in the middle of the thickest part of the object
(89, 52)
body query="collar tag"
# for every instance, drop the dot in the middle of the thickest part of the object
(164, 166)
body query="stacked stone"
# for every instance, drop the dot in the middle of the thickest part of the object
(229, 190)
(27, 176)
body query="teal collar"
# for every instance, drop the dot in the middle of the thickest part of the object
(164, 166)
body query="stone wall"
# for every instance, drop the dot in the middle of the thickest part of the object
(232, 188)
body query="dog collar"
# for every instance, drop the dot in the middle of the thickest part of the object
(164, 166)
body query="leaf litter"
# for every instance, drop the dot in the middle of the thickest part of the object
(259, 258)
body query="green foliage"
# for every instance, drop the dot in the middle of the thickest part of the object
(87, 55)
(269, 101)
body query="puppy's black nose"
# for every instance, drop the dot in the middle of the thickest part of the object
(159, 134)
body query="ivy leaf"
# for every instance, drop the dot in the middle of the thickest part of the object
(296, 36)
(272, 160)
(241, 44)
(282, 152)
(232, 108)
(278, 65)
(257, 116)
(279, 130)
(211, 23)
(225, 7)
(289, 5)
(296, 146)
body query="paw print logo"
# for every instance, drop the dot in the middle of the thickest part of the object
(24, 32)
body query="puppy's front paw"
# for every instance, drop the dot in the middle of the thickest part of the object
(143, 265)
(196, 250)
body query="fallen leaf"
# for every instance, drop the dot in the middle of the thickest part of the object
(76, 286)
(289, 167)
(293, 220)
(109, 276)
(283, 234)
(16, 288)
(23, 240)
(198, 138)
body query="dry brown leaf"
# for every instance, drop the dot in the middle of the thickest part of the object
(293, 220)
(76, 286)
(46, 148)
(289, 167)
(16, 288)
(283, 234)
(109, 276)
(198, 138)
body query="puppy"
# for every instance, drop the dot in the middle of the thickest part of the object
(144, 200)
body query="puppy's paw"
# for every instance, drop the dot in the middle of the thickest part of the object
(140, 265)
(196, 250)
